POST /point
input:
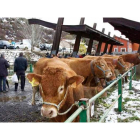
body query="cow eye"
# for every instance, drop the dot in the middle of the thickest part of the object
(61, 89)
(102, 65)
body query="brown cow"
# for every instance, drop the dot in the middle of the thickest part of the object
(89, 92)
(132, 58)
(104, 81)
(89, 68)
(59, 87)
(116, 61)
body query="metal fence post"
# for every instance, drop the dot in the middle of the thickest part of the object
(84, 115)
(31, 68)
(120, 92)
(130, 78)
(135, 72)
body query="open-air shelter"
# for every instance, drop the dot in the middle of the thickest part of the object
(129, 28)
(81, 30)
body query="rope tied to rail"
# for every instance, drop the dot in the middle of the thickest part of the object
(75, 104)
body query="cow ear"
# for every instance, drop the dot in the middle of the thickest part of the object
(75, 81)
(34, 79)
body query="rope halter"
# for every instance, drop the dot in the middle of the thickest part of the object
(121, 64)
(58, 106)
(92, 69)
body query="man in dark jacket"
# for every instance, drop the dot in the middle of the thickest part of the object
(3, 72)
(20, 66)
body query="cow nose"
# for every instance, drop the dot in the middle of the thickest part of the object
(109, 74)
(49, 112)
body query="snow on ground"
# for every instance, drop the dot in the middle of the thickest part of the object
(131, 105)
(10, 55)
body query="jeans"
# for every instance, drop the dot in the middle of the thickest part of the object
(2, 80)
(21, 76)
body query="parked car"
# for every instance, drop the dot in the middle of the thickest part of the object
(21, 45)
(46, 46)
(6, 45)
(67, 50)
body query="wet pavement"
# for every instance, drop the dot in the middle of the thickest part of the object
(16, 106)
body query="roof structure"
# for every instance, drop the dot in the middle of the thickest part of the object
(84, 30)
(129, 28)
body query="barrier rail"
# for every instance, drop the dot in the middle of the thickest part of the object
(11, 68)
(85, 105)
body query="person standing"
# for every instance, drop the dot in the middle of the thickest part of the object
(20, 66)
(3, 73)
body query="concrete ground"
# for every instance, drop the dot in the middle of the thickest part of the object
(16, 106)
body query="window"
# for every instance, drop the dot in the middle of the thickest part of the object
(123, 49)
(115, 49)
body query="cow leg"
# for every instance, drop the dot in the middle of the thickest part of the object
(126, 79)
(35, 90)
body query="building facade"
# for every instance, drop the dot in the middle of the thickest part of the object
(127, 47)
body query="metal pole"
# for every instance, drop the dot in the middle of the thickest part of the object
(31, 68)
(130, 78)
(84, 115)
(135, 72)
(106, 113)
(75, 114)
(120, 93)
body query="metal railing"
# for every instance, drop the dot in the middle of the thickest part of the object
(85, 104)
(11, 68)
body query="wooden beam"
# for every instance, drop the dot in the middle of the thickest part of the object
(90, 46)
(106, 45)
(57, 37)
(110, 49)
(82, 21)
(139, 49)
(95, 25)
(43, 23)
(99, 45)
(91, 41)
(78, 39)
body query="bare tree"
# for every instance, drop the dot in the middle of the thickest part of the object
(32, 32)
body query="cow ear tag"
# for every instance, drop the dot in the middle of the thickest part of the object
(139, 57)
(34, 82)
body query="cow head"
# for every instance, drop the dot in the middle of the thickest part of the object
(121, 65)
(101, 68)
(55, 85)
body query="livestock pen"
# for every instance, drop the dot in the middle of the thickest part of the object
(86, 106)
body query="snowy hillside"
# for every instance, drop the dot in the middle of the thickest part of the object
(10, 29)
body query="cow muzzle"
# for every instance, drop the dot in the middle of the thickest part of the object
(48, 112)
(108, 74)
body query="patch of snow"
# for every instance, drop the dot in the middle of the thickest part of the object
(133, 107)
(36, 49)
(4, 20)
